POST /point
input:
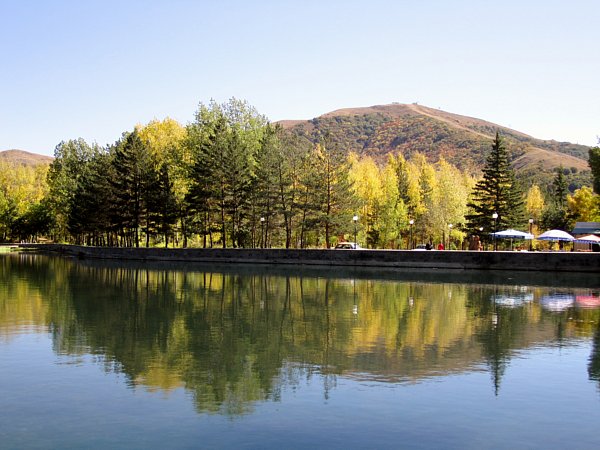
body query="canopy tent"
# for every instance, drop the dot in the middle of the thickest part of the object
(589, 239)
(587, 301)
(511, 234)
(555, 235)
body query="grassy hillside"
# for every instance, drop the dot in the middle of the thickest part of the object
(24, 158)
(463, 141)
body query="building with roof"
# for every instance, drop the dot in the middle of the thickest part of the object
(583, 228)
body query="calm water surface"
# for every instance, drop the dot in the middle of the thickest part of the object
(100, 355)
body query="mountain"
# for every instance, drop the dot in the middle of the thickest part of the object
(24, 158)
(464, 141)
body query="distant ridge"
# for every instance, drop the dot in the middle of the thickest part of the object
(25, 158)
(464, 141)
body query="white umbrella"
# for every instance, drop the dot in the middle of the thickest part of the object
(555, 235)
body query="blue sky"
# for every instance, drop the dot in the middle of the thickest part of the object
(94, 69)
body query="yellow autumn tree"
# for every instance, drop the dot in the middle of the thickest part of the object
(584, 205)
(534, 203)
(449, 205)
(366, 181)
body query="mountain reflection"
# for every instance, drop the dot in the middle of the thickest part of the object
(234, 336)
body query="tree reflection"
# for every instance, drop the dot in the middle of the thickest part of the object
(232, 338)
(594, 363)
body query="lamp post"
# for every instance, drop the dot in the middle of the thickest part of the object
(411, 222)
(530, 240)
(262, 233)
(480, 236)
(495, 217)
(355, 220)
(449, 235)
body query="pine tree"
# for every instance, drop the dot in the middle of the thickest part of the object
(88, 218)
(555, 215)
(161, 204)
(497, 192)
(225, 140)
(594, 163)
(131, 163)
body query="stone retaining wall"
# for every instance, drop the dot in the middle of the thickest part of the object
(529, 261)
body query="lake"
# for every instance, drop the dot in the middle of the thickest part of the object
(165, 355)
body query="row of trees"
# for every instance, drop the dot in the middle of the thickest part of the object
(232, 179)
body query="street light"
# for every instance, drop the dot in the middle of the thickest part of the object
(495, 217)
(449, 233)
(355, 220)
(530, 240)
(480, 236)
(411, 222)
(262, 227)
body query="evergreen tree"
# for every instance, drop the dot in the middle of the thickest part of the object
(89, 215)
(225, 141)
(556, 215)
(497, 192)
(131, 164)
(161, 204)
(560, 189)
(594, 162)
(266, 211)
(201, 196)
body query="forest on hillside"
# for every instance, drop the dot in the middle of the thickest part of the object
(462, 141)
(230, 178)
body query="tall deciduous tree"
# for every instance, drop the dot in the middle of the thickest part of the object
(497, 192)
(409, 195)
(71, 160)
(367, 186)
(584, 205)
(334, 200)
(450, 201)
(165, 140)
(534, 203)
(291, 152)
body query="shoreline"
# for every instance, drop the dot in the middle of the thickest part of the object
(405, 259)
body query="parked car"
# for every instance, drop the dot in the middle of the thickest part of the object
(347, 246)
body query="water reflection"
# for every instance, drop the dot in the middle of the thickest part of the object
(233, 336)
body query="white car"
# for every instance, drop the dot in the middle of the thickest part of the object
(347, 246)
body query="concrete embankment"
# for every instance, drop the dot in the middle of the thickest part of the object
(528, 261)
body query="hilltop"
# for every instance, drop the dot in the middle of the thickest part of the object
(410, 128)
(24, 158)
(464, 141)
